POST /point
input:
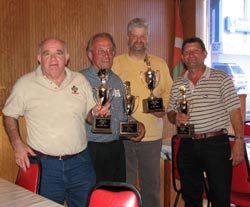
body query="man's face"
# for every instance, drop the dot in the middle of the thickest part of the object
(102, 53)
(53, 58)
(138, 39)
(193, 55)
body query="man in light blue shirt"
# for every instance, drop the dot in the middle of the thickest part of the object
(107, 150)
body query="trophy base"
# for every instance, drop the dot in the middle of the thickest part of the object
(185, 131)
(151, 105)
(129, 128)
(102, 125)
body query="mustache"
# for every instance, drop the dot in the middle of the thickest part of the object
(135, 48)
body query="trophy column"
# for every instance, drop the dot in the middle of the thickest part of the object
(102, 124)
(129, 127)
(184, 130)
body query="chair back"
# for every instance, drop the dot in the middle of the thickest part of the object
(175, 148)
(247, 128)
(114, 194)
(241, 175)
(30, 179)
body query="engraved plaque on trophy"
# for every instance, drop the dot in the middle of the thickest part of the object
(151, 78)
(184, 130)
(130, 127)
(101, 96)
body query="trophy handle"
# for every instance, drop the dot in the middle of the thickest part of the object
(137, 104)
(157, 73)
(95, 89)
(134, 109)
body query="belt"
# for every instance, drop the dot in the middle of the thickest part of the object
(209, 134)
(61, 157)
(108, 142)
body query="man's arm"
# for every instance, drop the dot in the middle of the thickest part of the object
(21, 150)
(237, 154)
(172, 117)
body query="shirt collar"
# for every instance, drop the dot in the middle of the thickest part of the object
(94, 72)
(206, 73)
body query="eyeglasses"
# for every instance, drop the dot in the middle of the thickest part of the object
(102, 51)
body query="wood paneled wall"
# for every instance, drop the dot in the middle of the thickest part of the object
(25, 23)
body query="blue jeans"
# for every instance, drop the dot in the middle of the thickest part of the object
(69, 180)
(212, 156)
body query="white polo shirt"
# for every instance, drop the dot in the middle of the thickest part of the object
(55, 116)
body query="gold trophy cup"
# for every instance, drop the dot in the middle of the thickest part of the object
(130, 127)
(151, 78)
(184, 130)
(102, 124)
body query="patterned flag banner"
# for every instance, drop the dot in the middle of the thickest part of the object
(177, 63)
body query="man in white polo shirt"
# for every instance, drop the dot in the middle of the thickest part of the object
(55, 102)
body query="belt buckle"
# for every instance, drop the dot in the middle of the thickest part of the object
(60, 157)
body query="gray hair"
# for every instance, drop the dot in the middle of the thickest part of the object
(137, 22)
(95, 36)
(51, 38)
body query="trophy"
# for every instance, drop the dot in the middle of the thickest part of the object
(184, 130)
(150, 79)
(102, 124)
(129, 127)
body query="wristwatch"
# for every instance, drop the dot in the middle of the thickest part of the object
(239, 137)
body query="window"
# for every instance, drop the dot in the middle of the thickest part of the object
(229, 42)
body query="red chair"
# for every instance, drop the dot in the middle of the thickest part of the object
(30, 179)
(114, 194)
(175, 143)
(240, 189)
(247, 128)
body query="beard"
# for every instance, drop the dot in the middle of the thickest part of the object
(135, 48)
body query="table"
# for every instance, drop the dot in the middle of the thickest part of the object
(12, 195)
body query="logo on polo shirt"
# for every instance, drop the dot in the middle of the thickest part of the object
(116, 93)
(74, 90)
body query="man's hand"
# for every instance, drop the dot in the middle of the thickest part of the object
(181, 118)
(238, 152)
(102, 111)
(141, 131)
(159, 114)
(22, 152)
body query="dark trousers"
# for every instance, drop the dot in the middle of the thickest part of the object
(211, 156)
(108, 160)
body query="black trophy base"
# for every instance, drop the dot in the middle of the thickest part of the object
(129, 129)
(102, 125)
(151, 105)
(185, 131)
